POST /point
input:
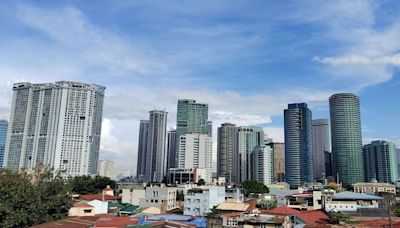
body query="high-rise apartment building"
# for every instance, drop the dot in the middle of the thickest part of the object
(226, 152)
(195, 151)
(142, 150)
(298, 145)
(346, 138)
(321, 145)
(278, 150)
(171, 149)
(380, 162)
(107, 169)
(191, 117)
(262, 164)
(3, 137)
(57, 125)
(398, 160)
(156, 141)
(247, 139)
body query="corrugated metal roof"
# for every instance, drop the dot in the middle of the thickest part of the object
(357, 196)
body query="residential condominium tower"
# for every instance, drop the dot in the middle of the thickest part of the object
(3, 137)
(142, 150)
(191, 117)
(247, 139)
(380, 162)
(195, 151)
(346, 138)
(55, 124)
(107, 169)
(171, 149)
(263, 164)
(226, 152)
(156, 141)
(279, 161)
(321, 146)
(298, 145)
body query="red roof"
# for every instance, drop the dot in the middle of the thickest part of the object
(116, 222)
(82, 205)
(283, 210)
(99, 197)
(252, 206)
(233, 214)
(108, 189)
(314, 217)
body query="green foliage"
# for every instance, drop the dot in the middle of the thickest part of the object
(267, 204)
(179, 195)
(84, 185)
(252, 186)
(25, 204)
(201, 182)
(340, 218)
(213, 213)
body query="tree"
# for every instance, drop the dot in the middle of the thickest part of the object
(84, 185)
(179, 195)
(267, 204)
(252, 186)
(25, 202)
(201, 182)
(340, 218)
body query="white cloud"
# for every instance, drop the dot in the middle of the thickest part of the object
(361, 60)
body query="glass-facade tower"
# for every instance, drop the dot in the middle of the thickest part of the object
(380, 162)
(298, 145)
(346, 138)
(191, 117)
(3, 137)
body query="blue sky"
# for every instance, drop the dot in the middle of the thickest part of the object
(247, 60)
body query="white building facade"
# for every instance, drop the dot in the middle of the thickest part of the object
(55, 124)
(263, 164)
(107, 169)
(195, 151)
(199, 201)
(160, 197)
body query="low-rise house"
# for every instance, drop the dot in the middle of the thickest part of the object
(132, 196)
(159, 196)
(100, 207)
(374, 188)
(350, 201)
(199, 201)
(81, 209)
(230, 207)
(260, 220)
(100, 197)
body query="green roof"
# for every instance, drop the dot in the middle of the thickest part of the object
(130, 209)
(117, 205)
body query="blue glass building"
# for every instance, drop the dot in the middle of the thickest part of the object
(3, 137)
(298, 145)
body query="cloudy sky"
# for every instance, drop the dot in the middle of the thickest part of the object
(246, 59)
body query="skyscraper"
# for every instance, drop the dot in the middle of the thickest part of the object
(156, 141)
(209, 128)
(226, 152)
(195, 151)
(142, 150)
(346, 138)
(298, 145)
(321, 145)
(3, 137)
(262, 164)
(380, 162)
(247, 139)
(278, 150)
(107, 169)
(56, 124)
(171, 149)
(191, 117)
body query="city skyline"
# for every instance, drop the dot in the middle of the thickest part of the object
(247, 65)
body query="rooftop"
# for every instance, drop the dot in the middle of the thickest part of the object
(283, 210)
(355, 196)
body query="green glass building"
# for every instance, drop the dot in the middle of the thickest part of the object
(380, 161)
(348, 162)
(191, 117)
